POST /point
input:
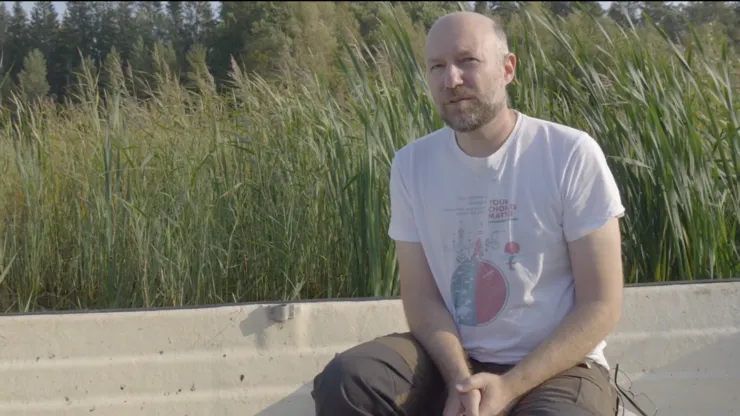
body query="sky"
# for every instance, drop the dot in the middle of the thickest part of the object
(60, 6)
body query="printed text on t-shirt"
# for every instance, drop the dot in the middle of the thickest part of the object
(500, 209)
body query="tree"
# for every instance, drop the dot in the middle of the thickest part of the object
(505, 10)
(107, 30)
(3, 25)
(44, 26)
(726, 14)
(150, 22)
(76, 38)
(18, 39)
(176, 35)
(127, 32)
(44, 36)
(78, 30)
(591, 7)
(427, 12)
(560, 8)
(32, 78)
(200, 24)
(666, 16)
(622, 12)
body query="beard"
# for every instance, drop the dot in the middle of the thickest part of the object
(471, 115)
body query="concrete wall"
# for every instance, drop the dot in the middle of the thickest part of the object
(680, 344)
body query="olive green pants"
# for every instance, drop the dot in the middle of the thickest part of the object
(393, 375)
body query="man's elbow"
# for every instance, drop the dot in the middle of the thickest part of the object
(417, 305)
(597, 270)
(607, 312)
(613, 313)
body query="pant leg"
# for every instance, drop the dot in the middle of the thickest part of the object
(390, 375)
(584, 390)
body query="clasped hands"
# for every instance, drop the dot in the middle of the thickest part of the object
(482, 394)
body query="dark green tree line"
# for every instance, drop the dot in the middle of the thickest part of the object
(43, 51)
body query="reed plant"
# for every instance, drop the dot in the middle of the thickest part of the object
(264, 191)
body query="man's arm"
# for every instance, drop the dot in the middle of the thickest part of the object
(597, 270)
(428, 318)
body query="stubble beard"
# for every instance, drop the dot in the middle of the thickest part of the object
(476, 115)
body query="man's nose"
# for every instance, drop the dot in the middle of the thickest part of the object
(452, 77)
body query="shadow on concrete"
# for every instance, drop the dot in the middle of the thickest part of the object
(256, 323)
(297, 403)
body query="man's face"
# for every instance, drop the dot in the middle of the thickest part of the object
(467, 73)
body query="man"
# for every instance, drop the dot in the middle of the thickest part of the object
(509, 252)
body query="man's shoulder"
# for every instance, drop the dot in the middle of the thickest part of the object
(557, 134)
(560, 144)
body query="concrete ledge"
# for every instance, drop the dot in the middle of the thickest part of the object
(680, 345)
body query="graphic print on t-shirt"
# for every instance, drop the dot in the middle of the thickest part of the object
(512, 249)
(479, 288)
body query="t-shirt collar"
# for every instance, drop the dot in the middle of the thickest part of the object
(492, 162)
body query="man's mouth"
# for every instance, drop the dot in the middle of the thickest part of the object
(457, 100)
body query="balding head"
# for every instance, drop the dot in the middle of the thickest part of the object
(467, 26)
(467, 56)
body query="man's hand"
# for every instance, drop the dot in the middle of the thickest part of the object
(495, 395)
(459, 403)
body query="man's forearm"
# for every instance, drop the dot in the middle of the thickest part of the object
(586, 326)
(432, 325)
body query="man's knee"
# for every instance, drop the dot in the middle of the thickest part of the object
(583, 390)
(370, 378)
(562, 409)
(342, 384)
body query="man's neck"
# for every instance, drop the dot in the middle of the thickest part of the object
(489, 138)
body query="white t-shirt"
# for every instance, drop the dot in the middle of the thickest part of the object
(495, 229)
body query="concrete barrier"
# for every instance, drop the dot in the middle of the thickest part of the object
(679, 344)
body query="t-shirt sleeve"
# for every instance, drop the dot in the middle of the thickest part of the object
(402, 224)
(589, 191)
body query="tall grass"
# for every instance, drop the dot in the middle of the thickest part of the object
(267, 193)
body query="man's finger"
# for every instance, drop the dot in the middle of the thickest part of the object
(453, 408)
(476, 381)
(486, 406)
(471, 403)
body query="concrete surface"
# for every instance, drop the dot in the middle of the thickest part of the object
(680, 344)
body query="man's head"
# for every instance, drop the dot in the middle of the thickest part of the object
(467, 59)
